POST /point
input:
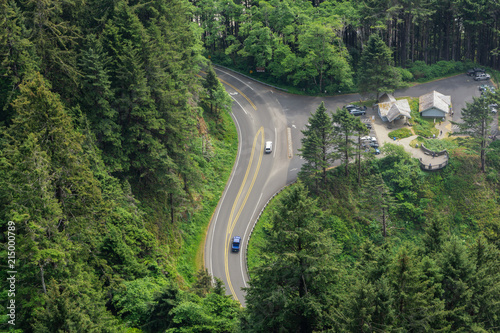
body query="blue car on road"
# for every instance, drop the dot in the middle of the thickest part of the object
(235, 247)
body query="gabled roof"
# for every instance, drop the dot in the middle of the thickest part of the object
(436, 100)
(394, 108)
(399, 108)
(386, 98)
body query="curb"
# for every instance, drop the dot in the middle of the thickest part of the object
(257, 220)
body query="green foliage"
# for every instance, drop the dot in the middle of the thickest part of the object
(290, 289)
(101, 147)
(400, 133)
(376, 74)
(423, 72)
(476, 120)
(317, 145)
(178, 311)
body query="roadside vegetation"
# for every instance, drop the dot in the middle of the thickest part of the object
(436, 225)
(398, 235)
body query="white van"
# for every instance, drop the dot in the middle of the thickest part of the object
(269, 147)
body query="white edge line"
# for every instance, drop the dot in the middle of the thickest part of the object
(244, 236)
(275, 142)
(223, 197)
(235, 78)
(239, 104)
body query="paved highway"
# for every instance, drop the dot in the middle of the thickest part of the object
(264, 114)
(256, 177)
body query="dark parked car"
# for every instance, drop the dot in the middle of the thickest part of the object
(475, 71)
(368, 125)
(235, 247)
(357, 112)
(374, 144)
(351, 107)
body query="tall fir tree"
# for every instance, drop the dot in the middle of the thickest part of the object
(317, 145)
(376, 72)
(294, 288)
(475, 125)
(344, 128)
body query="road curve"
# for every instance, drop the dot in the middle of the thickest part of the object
(255, 178)
(264, 114)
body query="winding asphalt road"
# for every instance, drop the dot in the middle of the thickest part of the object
(261, 114)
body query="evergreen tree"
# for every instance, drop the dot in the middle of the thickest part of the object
(485, 307)
(415, 304)
(458, 275)
(435, 235)
(475, 124)
(293, 290)
(317, 145)
(376, 72)
(344, 125)
(378, 201)
(96, 99)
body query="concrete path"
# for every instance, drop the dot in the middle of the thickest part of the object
(382, 131)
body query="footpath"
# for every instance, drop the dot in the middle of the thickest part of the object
(382, 133)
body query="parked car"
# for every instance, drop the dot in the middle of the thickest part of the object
(493, 108)
(376, 151)
(235, 247)
(475, 71)
(482, 76)
(368, 125)
(357, 112)
(483, 87)
(374, 144)
(351, 107)
(368, 138)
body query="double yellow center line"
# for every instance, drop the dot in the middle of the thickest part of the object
(232, 222)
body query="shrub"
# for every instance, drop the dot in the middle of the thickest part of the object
(406, 75)
(401, 133)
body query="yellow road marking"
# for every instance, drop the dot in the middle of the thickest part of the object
(253, 180)
(239, 91)
(231, 224)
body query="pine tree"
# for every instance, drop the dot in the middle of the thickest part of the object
(475, 124)
(435, 235)
(458, 275)
(293, 289)
(376, 72)
(317, 145)
(378, 201)
(415, 304)
(96, 99)
(344, 128)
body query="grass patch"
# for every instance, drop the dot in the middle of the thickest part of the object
(421, 126)
(260, 233)
(216, 173)
(436, 145)
(401, 133)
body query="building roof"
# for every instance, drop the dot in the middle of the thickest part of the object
(386, 98)
(399, 108)
(394, 108)
(436, 100)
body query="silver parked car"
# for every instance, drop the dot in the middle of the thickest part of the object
(482, 76)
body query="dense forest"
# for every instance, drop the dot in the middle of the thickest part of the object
(378, 245)
(317, 45)
(116, 141)
(108, 140)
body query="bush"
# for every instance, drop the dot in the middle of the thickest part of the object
(401, 133)
(406, 75)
